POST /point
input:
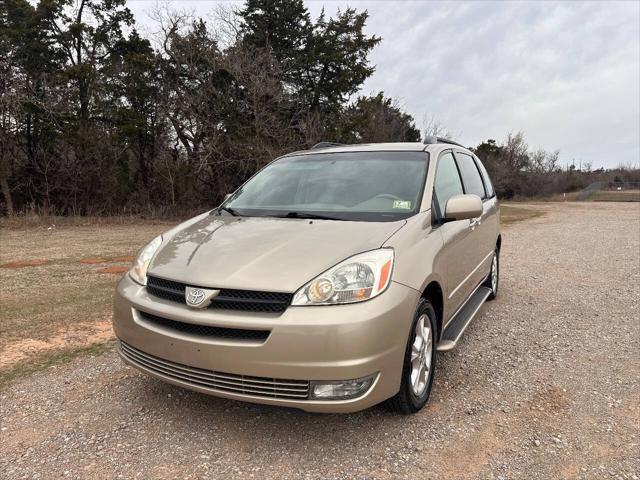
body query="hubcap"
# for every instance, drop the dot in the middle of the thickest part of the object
(494, 274)
(421, 352)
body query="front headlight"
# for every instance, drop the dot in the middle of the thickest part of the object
(358, 278)
(138, 270)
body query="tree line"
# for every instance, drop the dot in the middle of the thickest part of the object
(519, 172)
(96, 119)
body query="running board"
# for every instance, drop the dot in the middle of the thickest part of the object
(458, 324)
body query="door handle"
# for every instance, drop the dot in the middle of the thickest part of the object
(475, 223)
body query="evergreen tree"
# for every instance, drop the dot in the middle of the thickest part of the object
(282, 26)
(324, 63)
(337, 60)
(376, 119)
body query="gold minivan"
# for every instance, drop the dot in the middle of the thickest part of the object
(327, 282)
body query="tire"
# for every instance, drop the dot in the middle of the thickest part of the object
(413, 395)
(489, 282)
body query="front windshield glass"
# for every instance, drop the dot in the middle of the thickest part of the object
(363, 186)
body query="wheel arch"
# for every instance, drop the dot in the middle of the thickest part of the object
(433, 293)
(499, 242)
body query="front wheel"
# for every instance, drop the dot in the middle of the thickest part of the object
(493, 280)
(419, 362)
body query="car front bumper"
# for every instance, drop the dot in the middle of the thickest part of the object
(338, 342)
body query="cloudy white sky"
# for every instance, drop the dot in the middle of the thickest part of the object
(565, 73)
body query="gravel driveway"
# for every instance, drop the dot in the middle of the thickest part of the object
(544, 384)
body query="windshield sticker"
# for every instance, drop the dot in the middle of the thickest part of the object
(402, 204)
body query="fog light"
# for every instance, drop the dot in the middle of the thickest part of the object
(340, 389)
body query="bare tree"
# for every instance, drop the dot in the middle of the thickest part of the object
(432, 127)
(227, 27)
(544, 162)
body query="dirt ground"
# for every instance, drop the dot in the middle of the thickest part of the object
(57, 285)
(544, 384)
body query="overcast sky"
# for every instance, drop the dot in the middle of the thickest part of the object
(565, 73)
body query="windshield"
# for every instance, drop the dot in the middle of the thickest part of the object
(362, 186)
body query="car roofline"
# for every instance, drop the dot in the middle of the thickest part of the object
(428, 146)
(361, 147)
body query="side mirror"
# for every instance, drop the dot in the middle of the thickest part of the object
(463, 207)
(227, 196)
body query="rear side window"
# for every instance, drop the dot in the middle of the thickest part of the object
(447, 182)
(487, 181)
(470, 175)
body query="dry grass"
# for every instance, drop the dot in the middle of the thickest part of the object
(556, 197)
(511, 214)
(55, 295)
(54, 221)
(616, 196)
(56, 357)
(598, 196)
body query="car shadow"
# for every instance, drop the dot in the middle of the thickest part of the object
(201, 413)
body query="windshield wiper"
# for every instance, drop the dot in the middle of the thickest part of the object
(308, 215)
(229, 210)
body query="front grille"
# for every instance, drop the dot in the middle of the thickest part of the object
(218, 381)
(166, 289)
(246, 300)
(205, 330)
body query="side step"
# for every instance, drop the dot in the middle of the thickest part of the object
(458, 324)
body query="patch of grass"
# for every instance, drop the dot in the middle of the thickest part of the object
(556, 197)
(73, 302)
(510, 214)
(596, 196)
(616, 196)
(60, 303)
(46, 221)
(59, 357)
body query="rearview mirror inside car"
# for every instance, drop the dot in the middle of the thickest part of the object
(463, 207)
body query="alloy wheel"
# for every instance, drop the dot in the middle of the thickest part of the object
(494, 274)
(421, 354)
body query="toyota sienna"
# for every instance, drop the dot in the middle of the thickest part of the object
(327, 282)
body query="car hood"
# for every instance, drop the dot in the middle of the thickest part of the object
(261, 253)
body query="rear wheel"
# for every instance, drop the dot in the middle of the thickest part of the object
(419, 362)
(493, 280)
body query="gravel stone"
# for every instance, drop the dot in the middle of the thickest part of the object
(544, 384)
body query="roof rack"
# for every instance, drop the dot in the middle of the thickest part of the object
(327, 145)
(431, 139)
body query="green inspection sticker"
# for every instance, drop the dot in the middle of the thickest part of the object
(403, 204)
